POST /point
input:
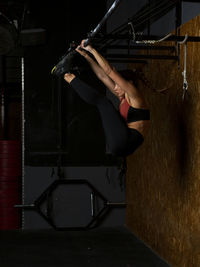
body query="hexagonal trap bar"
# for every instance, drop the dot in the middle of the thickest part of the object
(47, 203)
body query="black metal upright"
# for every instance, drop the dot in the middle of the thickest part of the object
(102, 22)
(178, 24)
(4, 106)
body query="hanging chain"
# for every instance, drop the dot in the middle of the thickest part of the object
(154, 41)
(184, 73)
(132, 31)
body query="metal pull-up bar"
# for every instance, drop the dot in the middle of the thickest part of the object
(101, 23)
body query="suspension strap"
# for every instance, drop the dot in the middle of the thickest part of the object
(102, 22)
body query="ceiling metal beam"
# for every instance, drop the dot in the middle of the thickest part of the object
(150, 38)
(137, 56)
(141, 47)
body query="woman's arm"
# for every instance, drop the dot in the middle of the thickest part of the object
(102, 76)
(125, 85)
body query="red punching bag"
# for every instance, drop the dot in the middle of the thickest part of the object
(10, 178)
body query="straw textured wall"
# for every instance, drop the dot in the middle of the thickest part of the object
(163, 177)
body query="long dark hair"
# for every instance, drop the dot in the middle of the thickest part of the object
(135, 76)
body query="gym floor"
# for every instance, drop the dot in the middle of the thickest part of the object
(100, 247)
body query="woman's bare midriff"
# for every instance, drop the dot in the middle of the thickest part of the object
(143, 125)
(140, 126)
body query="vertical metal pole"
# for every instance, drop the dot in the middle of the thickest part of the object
(149, 20)
(60, 125)
(22, 136)
(4, 104)
(149, 25)
(2, 67)
(178, 24)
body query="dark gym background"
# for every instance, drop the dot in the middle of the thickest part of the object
(63, 135)
(57, 120)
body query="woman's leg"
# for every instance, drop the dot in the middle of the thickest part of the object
(115, 129)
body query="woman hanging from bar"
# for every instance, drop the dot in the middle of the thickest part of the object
(125, 129)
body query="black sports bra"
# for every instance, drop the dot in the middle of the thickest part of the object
(131, 114)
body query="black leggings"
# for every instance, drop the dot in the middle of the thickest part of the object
(121, 140)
